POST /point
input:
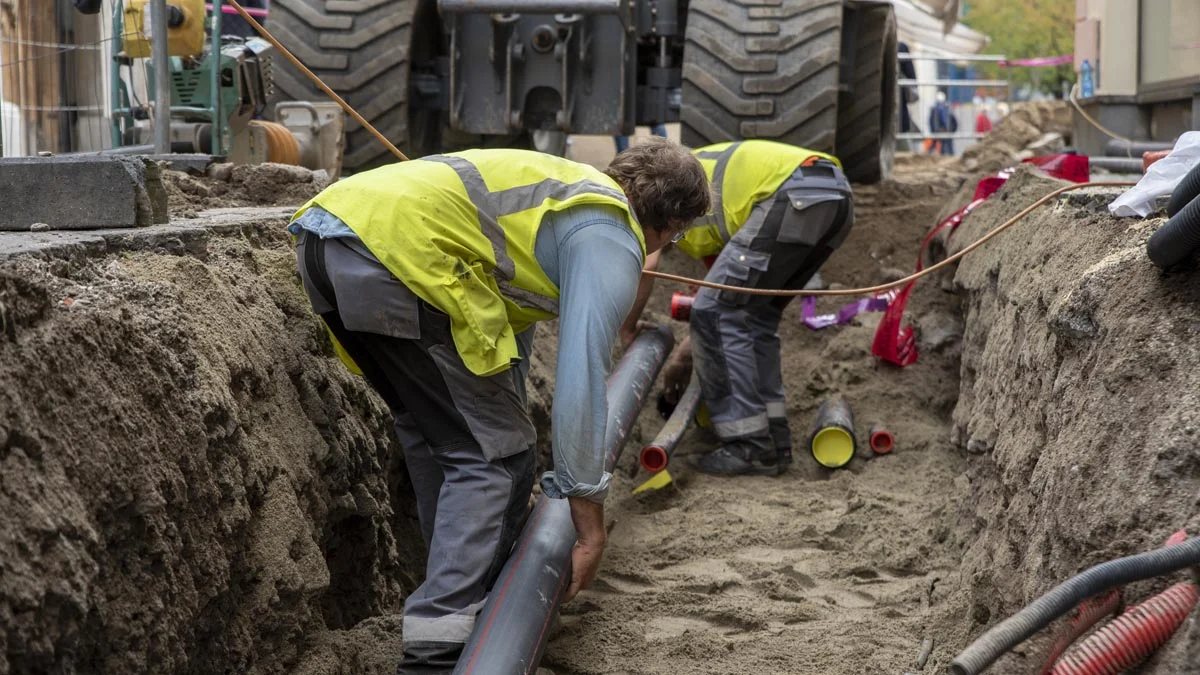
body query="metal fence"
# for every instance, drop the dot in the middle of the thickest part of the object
(935, 83)
(52, 87)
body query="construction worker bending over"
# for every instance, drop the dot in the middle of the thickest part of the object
(778, 213)
(430, 275)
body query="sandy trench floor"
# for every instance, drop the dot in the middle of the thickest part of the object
(816, 571)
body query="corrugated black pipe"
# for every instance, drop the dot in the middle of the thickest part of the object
(510, 632)
(1178, 238)
(1017, 628)
(656, 455)
(1186, 192)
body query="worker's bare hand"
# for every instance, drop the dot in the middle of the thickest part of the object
(678, 370)
(628, 335)
(591, 538)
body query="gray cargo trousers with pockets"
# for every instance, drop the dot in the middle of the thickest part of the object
(468, 440)
(735, 340)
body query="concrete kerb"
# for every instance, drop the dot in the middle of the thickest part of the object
(81, 192)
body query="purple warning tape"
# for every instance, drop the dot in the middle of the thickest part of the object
(810, 318)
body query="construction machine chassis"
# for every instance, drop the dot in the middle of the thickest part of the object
(437, 75)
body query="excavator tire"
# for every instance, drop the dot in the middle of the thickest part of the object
(365, 50)
(762, 69)
(868, 113)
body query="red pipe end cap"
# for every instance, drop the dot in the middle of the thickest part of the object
(653, 458)
(882, 441)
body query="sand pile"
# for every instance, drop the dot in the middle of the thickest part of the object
(1078, 412)
(229, 185)
(189, 482)
(1032, 129)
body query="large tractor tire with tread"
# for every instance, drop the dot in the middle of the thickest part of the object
(364, 50)
(868, 114)
(762, 69)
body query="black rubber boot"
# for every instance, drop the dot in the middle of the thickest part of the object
(781, 436)
(429, 658)
(735, 461)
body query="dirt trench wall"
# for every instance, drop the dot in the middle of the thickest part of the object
(189, 482)
(1078, 407)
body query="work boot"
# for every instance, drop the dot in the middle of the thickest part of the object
(783, 459)
(735, 461)
(781, 438)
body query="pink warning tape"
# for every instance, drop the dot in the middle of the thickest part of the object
(252, 11)
(1040, 61)
(810, 318)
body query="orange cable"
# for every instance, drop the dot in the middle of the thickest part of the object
(900, 282)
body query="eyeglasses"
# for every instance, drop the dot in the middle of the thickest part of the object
(679, 236)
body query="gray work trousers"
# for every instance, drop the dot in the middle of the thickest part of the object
(735, 340)
(468, 440)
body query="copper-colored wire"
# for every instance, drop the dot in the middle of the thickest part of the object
(899, 282)
(316, 80)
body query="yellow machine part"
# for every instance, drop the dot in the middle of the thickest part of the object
(186, 40)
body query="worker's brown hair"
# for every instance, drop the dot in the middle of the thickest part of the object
(664, 183)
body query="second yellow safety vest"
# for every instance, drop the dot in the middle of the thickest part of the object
(460, 229)
(742, 173)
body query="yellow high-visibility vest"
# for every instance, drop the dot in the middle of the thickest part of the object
(742, 173)
(459, 230)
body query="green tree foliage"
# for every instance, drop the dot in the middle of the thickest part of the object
(1025, 29)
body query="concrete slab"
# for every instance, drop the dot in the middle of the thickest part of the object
(81, 192)
(179, 236)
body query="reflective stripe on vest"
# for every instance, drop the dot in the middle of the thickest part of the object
(494, 205)
(741, 174)
(718, 186)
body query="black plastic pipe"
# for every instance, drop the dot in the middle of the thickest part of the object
(1186, 192)
(1178, 238)
(511, 630)
(1060, 600)
(629, 385)
(655, 456)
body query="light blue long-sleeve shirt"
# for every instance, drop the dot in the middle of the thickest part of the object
(595, 260)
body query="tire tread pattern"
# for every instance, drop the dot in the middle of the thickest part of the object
(762, 69)
(867, 119)
(360, 48)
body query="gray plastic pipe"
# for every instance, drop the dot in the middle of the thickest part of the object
(655, 456)
(510, 632)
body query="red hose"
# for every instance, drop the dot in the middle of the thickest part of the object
(1088, 614)
(1133, 636)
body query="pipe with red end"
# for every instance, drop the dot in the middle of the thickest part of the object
(655, 456)
(681, 306)
(1132, 637)
(881, 440)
